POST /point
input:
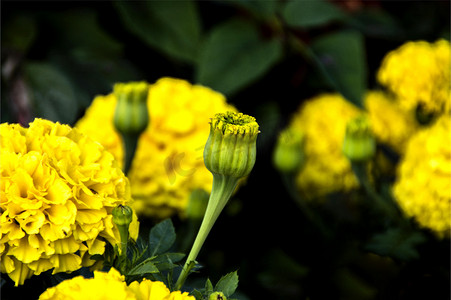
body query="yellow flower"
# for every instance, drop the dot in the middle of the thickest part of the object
(168, 161)
(423, 185)
(390, 124)
(418, 73)
(57, 190)
(111, 285)
(323, 121)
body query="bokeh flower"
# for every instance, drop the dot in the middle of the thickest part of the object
(423, 186)
(390, 124)
(323, 120)
(168, 161)
(418, 73)
(57, 191)
(111, 285)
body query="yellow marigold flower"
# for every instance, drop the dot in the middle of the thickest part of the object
(323, 121)
(57, 191)
(390, 124)
(418, 73)
(168, 161)
(423, 186)
(111, 285)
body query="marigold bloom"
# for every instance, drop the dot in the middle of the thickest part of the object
(57, 191)
(423, 186)
(418, 73)
(168, 162)
(390, 124)
(111, 285)
(323, 121)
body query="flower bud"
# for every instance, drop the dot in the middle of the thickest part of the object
(231, 147)
(217, 296)
(288, 155)
(359, 144)
(122, 215)
(131, 116)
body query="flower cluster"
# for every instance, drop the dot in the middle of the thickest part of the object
(423, 186)
(168, 161)
(57, 191)
(111, 285)
(323, 121)
(418, 73)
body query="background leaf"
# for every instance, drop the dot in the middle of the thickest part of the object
(227, 284)
(171, 27)
(311, 13)
(161, 237)
(234, 55)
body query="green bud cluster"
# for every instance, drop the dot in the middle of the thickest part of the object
(288, 155)
(359, 144)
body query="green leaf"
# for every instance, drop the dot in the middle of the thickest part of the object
(235, 55)
(167, 261)
(52, 94)
(145, 267)
(227, 284)
(307, 14)
(340, 57)
(396, 243)
(208, 286)
(171, 27)
(161, 237)
(265, 9)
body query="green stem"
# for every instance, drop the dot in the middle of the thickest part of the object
(123, 233)
(222, 189)
(130, 145)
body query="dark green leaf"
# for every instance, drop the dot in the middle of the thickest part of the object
(396, 243)
(235, 55)
(197, 294)
(227, 284)
(208, 286)
(340, 57)
(161, 237)
(169, 26)
(145, 267)
(376, 23)
(167, 261)
(311, 13)
(265, 9)
(52, 93)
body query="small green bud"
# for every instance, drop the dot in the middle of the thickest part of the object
(231, 147)
(217, 296)
(131, 115)
(197, 204)
(359, 144)
(288, 155)
(122, 215)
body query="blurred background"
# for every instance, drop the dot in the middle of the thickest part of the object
(266, 57)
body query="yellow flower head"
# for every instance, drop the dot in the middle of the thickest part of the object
(111, 285)
(418, 73)
(423, 187)
(390, 124)
(168, 161)
(322, 120)
(57, 191)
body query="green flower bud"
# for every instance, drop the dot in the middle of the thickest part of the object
(217, 296)
(231, 147)
(122, 215)
(131, 116)
(288, 155)
(359, 144)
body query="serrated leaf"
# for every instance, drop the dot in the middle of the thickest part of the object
(307, 14)
(208, 286)
(227, 284)
(234, 55)
(340, 57)
(396, 243)
(171, 27)
(161, 237)
(145, 267)
(52, 93)
(167, 261)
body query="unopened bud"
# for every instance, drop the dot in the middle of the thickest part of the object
(359, 144)
(217, 296)
(288, 156)
(122, 215)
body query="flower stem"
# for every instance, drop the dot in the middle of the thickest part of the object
(222, 189)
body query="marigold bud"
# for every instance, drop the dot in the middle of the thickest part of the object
(359, 144)
(122, 215)
(131, 116)
(288, 156)
(231, 147)
(217, 296)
